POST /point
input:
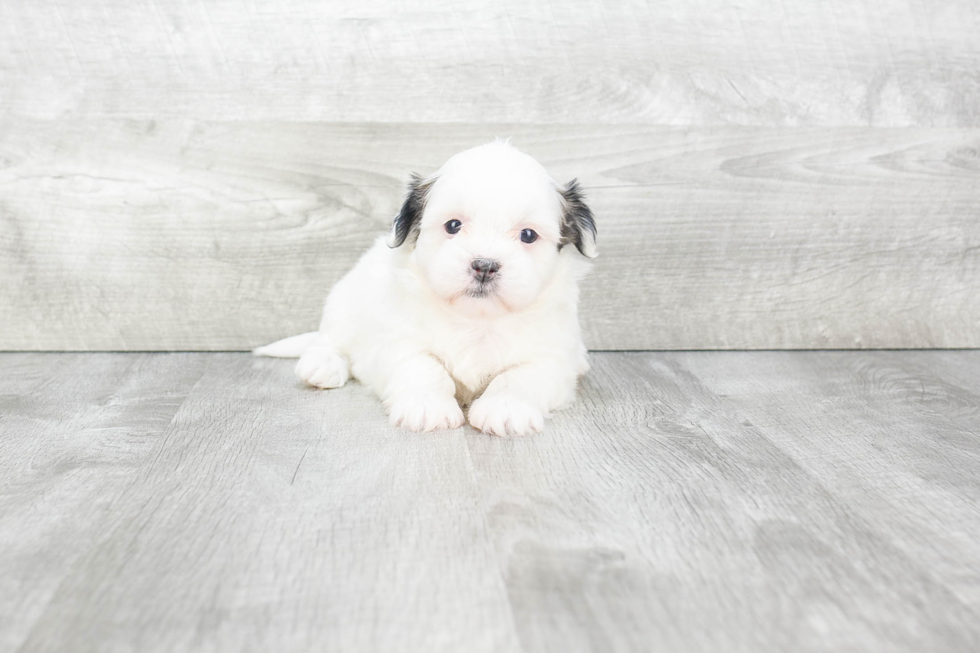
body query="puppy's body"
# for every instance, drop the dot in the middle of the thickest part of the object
(428, 329)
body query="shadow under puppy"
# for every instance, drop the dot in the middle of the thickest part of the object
(470, 300)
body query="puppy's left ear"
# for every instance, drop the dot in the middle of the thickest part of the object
(408, 221)
(577, 223)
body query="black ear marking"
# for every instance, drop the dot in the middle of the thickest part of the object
(577, 222)
(407, 223)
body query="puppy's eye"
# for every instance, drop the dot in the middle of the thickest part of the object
(528, 236)
(453, 226)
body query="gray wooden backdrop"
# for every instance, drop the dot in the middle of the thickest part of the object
(191, 174)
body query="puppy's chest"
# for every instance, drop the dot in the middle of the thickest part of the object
(474, 356)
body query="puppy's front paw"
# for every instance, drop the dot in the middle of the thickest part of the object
(322, 368)
(425, 413)
(505, 415)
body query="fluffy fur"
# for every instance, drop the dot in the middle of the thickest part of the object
(433, 320)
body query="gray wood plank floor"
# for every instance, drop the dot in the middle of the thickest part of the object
(722, 501)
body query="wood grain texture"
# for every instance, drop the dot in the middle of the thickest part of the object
(658, 514)
(682, 62)
(879, 408)
(162, 235)
(264, 520)
(75, 430)
(764, 501)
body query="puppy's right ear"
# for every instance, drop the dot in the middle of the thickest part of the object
(407, 223)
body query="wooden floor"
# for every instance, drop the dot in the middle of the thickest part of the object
(807, 501)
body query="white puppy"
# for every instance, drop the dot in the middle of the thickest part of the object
(471, 300)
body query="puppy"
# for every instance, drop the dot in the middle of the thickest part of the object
(471, 300)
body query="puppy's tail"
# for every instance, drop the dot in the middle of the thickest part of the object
(291, 347)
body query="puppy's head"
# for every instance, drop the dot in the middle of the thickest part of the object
(488, 228)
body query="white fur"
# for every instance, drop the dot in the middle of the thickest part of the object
(401, 320)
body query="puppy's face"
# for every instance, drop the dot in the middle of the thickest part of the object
(488, 228)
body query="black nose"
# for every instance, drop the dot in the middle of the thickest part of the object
(484, 269)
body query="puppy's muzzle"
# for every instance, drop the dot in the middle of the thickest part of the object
(484, 269)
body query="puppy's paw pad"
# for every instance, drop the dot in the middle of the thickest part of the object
(506, 415)
(323, 369)
(425, 413)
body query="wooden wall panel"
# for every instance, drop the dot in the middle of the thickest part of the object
(119, 234)
(679, 62)
(194, 174)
